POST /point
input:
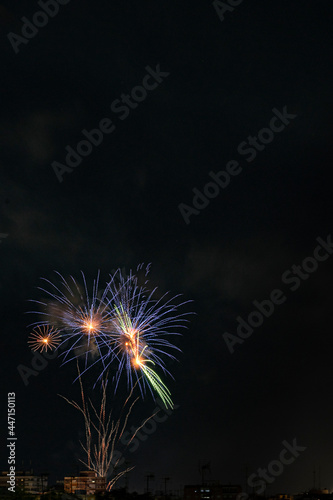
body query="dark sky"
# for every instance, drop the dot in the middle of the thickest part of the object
(120, 207)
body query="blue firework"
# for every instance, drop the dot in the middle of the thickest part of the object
(142, 329)
(82, 317)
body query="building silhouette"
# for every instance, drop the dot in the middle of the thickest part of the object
(87, 483)
(26, 481)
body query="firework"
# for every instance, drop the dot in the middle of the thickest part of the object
(140, 331)
(43, 338)
(103, 435)
(132, 353)
(124, 327)
(82, 318)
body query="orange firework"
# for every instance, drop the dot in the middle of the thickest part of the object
(90, 324)
(104, 436)
(43, 338)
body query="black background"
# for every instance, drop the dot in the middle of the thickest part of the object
(119, 207)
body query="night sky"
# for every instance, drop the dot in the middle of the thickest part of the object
(221, 82)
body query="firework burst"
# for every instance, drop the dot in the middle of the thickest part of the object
(43, 338)
(124, 327)
(82, 318)
(140, 331)
(133, 355)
